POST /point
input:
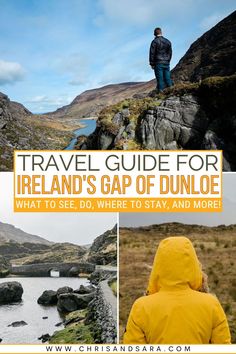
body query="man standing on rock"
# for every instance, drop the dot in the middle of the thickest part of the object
(159, 57)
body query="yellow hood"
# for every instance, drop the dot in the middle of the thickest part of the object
(175, 266)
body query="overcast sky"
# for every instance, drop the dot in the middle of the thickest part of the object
(50, 51)
(227, 217)
(79, 228)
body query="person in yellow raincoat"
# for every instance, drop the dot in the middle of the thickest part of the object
(174, 311)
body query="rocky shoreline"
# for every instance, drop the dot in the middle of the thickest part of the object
(91, 312)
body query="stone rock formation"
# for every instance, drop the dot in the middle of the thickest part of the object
(44, 337)
(10, 292)
(85, 289)
(196, 116)
(213, 54)
(103, 249)
(48, 297)
(64, 290)
(5, 267)
(17, 324)
(179, 122)
(20, 130)
(72, 302)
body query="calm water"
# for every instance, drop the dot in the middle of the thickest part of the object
(30, 312)
(90, 125)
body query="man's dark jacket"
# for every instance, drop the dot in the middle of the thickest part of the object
(160, 51)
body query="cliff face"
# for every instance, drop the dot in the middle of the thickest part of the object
(213, 54)
(21, 130)
(4, 267)
(103, 251)
(198, 116)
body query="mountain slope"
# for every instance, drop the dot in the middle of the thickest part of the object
(11, 233)
(20, 247)
(21, 130)
(28, 253)
(213, 54)
(90, 102)
(18, 110)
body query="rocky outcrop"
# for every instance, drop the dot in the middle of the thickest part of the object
(5, 267)
(5, 114)
(20, 130)
(66, 299)
(211, 55)
(10, 292)
(194, 116)
(64, 290)
(90, 313)
(93, 314)
(14, 133)
(72, 302)
(110, 135)
(101, 275)
(44, 338)
(19, 111)
(104, 248)
(48, 297)
(201, 120)
(178, 123)
(83, 289)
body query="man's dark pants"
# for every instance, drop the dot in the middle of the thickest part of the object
(162, 73)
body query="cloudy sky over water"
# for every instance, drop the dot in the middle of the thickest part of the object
(78, 228)
(52, 50)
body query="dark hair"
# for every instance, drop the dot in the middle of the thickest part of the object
(157, 31)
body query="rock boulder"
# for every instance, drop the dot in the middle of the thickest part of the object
(178, 123)
(85, 289)
(10, 292)
(48, 297)
(72, 302)
(17, 324)
(64, 290)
